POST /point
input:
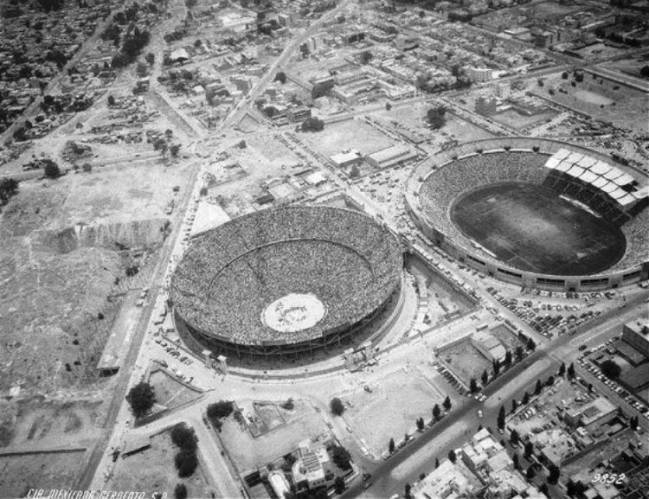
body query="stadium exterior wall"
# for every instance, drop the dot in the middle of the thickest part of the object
(492, 267)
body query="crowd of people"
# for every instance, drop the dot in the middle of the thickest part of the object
(462, 175)
(231, 274)
(466, 173)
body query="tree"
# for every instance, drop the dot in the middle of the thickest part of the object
(550, 381)
(575, 489)
(288, 405)
(530, 474)
(407, 490)
(220, 409)
(365, 56)
(485, 378)
(184, 437)
(51, 169)
(514, 405)
(538, 388)
(186, 463)
(8, 188)
(526, 398)
(451, 456)
(280, 77)
(553, 476)
(141, 69)
(312, 124)
(610, 369)
(141, 398)
(529, 450)
(388, 106)
(514, 438)
(436, 463)
(473, 386)
(501, 418)
(447, 403)
(180, 492)
(339, 485)
(531, 345)
(496, 367)
(571, 371)
(391, 446)
(436, 412)
(436, 117)
(174, 149)
(544, 489)
(516, 460)
(150, 58)
(508, 358)
(336, 406)
(644, 71)
(341, 457)
(518, 352)
(420, 424)
(111, 101)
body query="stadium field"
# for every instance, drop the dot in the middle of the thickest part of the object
(531, 228)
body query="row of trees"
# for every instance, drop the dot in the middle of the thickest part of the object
(186, 459)
(421, 425)
(496, 365)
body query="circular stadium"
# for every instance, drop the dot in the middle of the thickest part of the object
(285, 281)
(536, 212)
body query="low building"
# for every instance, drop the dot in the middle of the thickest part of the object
(489, 346)
(592, 415)
(348, 158)
(391, 156)
(636, 334)
(308, 470)
(448, 480)
(279, 483)
(479, 74)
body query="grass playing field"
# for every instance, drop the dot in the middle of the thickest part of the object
(531, 228)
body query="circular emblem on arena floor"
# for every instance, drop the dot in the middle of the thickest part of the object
(294, 312)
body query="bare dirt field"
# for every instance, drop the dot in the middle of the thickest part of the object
(37, 423)
(391, 408)
(349, 134)
(153, 470)
(249, 453)
(272, 149)
(465, 360)
(20, 473)
(119, 194)
(601, 98)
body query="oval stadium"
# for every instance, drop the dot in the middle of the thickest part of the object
(536, 212)
(285, 281)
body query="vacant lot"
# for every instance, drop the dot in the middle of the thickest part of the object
(37, 423)
(153, 470)
(249, 453)
(169, 392)
(465, 361)
(18, 474)
(391, 408)
(350, 134)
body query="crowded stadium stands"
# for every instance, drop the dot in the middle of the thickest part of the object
(618, 194)
(230, 274)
